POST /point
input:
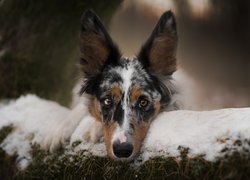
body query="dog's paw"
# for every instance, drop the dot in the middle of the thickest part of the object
(60, 134)
(89, 130)
(56, 139)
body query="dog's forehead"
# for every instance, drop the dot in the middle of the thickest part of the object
(128, 71)
(129, 75)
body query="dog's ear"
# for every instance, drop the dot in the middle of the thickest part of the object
(158, 54)
(96, 46)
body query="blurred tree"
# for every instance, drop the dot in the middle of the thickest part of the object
(39, 45)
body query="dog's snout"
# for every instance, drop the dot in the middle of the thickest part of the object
(122, 150)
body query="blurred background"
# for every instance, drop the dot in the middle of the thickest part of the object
(39, 45)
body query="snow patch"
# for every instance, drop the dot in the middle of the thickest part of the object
(203, 133)
(33, 119)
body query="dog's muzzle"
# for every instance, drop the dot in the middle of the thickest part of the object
(122, 147)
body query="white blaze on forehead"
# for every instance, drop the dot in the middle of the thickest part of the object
(126, 75)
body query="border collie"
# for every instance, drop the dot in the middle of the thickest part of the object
(125, 95)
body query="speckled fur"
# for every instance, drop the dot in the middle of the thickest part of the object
(118, 85)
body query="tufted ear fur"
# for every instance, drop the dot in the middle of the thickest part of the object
(158, 53)
(96, 46)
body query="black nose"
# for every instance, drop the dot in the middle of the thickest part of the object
(122, 150)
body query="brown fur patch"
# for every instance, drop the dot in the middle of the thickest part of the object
(109, 129)
(94, 110)
(94, 52)
(140, 132)
(135, 94)
(116, 92)
(157, 108)
(162, 54)
(141, 129)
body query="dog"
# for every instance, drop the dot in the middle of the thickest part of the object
(123, 95)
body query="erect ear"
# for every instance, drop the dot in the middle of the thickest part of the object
(159, 51)
(96, 46)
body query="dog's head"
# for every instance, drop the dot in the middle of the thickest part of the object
(127, 94)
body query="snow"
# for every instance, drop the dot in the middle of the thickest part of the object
(33, 118)
(203, 132)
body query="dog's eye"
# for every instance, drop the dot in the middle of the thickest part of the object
(107, 102)
(143, 103)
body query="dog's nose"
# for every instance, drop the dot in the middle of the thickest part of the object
(122, 150)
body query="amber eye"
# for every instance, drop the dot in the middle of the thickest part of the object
(107, 102)
(143, 103)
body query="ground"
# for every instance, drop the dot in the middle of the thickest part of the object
(82, 165)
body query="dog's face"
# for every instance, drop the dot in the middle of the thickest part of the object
(127, 94)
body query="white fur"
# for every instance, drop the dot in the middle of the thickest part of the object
(63, 131)
(88, 130)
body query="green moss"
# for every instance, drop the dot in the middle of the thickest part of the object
(84, 166)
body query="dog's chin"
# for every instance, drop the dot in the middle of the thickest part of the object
(128, 159)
